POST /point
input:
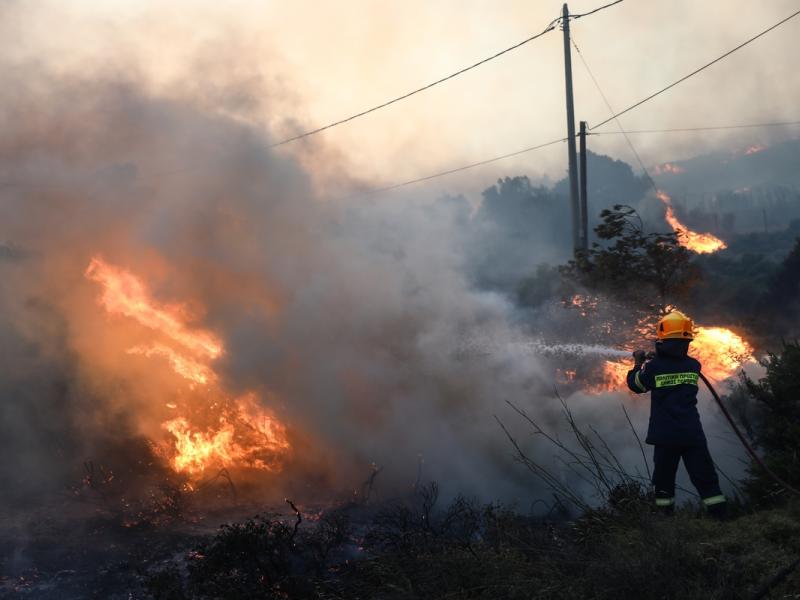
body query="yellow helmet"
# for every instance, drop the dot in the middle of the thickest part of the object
(675, 325)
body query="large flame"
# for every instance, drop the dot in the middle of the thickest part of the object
(702, 243)
(721, 352)
(212, 430)
(245, 435)
(125, 294)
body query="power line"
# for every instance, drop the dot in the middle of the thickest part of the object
(456, 170)
(591, 12)
(709, 128)
(550, 27)
(614, 117)
(695, 72)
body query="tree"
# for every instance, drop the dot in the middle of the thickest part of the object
(779, 308)
(645, 271)
(777, 400)
(516, 228)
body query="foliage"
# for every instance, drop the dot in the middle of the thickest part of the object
(516, 226)
(610, 181)
(259, 558)
(774, 245)
(777, 398)
(780, 305)
(649, 557)
(545, 284)
(414, 551)
(732, 288)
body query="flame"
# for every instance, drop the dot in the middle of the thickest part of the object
(613, 375)
(668, 168)
(125, 294)
(245, 436)
(566, 376)
(583, 303)
(236, 432)
(184, 366)
(721, 351)
(754, 149)
(702, 243)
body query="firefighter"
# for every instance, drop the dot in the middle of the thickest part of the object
(671, 377)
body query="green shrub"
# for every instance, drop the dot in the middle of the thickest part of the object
(777, 398)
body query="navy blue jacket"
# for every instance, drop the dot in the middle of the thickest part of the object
(671, 378)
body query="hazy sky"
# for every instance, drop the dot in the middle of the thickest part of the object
(309, 62)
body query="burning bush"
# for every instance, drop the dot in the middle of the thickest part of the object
(210, 430)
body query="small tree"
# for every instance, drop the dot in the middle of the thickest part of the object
(645, 271)
(777, 399)
(779, 308)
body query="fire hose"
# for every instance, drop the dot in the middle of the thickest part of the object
(744, 441)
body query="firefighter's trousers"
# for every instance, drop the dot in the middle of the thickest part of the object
(700, 467)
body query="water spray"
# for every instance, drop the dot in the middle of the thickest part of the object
(581, 350)
(536, 347)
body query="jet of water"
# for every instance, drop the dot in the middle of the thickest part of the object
(481, 346)
(581, 349)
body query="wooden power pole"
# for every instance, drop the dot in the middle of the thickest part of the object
(573, 159)
(583, 196)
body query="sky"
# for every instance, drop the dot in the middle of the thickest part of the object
(295, 65)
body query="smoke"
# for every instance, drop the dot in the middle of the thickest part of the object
(347, 316)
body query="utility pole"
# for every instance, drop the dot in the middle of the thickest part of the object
(584, 197)
(573, 167)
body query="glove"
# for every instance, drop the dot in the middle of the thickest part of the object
(639, 357)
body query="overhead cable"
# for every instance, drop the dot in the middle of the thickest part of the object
(591, 12)
(708, 128)
(456, 170)
(696, 71)
(550, 27)
(614, 117)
